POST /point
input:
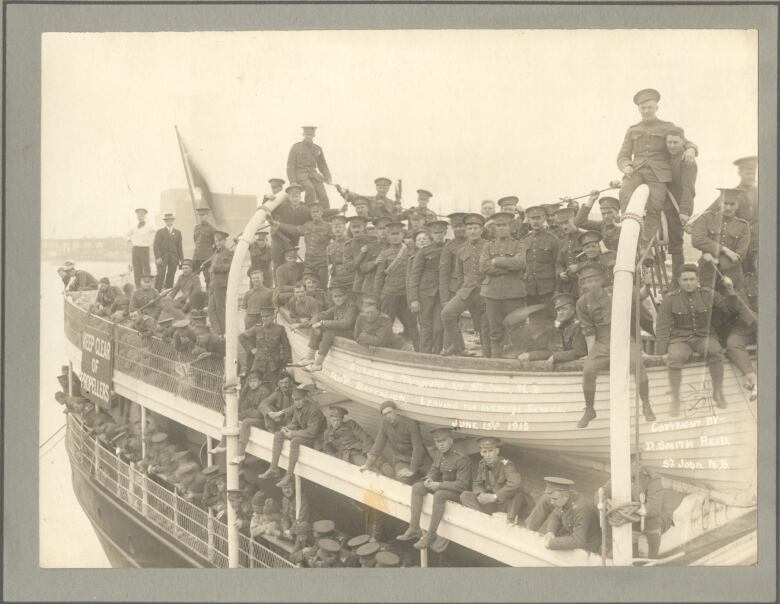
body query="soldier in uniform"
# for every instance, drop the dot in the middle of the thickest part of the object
(423, 199)
(496, 485)
(345, 439)
(386, 559)
(679, 196)
(289, 211)
(306, 166)
(203, 237)
(78, 280)
(423, 291)
(146, 299)
(316, 233)
(570, 344)
(366, 260)
(304, 422)
(517, 229)
(355, 252)
(381, 204)
(327, 554)
(268, 349)
(327, 325)
(568, 252)
(260, 257)
(278, 400)
(351, 559)
(748, 208)
(592, 254)
(448, 283)
(745, 330)
(724, 240)
(541, 254)
(594, 312)
(342, 272)
(289, 516)
(366, 554)
(257, 297)
(390, 282)
(553, 227)
(104, 299)
(408, 456)
(501, 261)
(658, 517)
(643, 158)
(219, 269)
(467, 297)
(448, 477)
(186, 287)
(287, 275)
(302, 308)
(684, 327)
(565, 518)
(608, 226)
(372, 328)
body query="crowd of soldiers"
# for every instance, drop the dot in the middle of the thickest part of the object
(536, 283)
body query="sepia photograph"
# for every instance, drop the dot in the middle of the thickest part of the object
(399, 298)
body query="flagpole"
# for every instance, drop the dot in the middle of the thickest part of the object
(186, 167)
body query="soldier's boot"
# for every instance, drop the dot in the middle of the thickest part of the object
(287, 481)
(716, 373)
(675, 379)
(653, 544)
(414, 531)
(678, 259)
(424, 541)
(590, 411)
(451, 350)
(271, 472)
(410, 534)
(309, 358)
(317, 364)
(644, 395)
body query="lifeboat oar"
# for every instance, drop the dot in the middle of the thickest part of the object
(521, 314)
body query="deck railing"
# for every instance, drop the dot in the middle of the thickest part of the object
(191, 526)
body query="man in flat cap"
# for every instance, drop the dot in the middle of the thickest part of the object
(219, 269)
(186, 287)
(141, 237)
(502, 261)
(78, 279)
(541, 254)
(345, 439)
(448, 477)
(372, 327)
(496, 485)
(608, 226)
(268, 349)
(327, 325)
(684, 327)
(423, 288)
(390, 282)
(568, 251)
(680, 193)
(203, 237)
(565, 518)
(303, 423)
(644, 158)
(724, 240)
(408, 456)
(594, 312)
(168, 252)
(306, 165)
(468, 296)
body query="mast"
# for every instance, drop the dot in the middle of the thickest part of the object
(230, 388)
(619, 371)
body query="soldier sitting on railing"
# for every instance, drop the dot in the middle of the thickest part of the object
(302, 307)
(146, 298)
(346, 439)
(105, 298)
(336, 321)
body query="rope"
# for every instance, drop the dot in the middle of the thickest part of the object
(56, 432)
(618, 515)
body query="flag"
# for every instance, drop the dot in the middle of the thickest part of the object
(200, 195)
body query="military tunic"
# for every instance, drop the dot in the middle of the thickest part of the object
(501, 479)
(203, 237)
(404, 442)
(272, 350)
(366, 266)
(287, 275)
(390, 286)
(303, 163)
(303, 309)
(307, 423)
(541, 255)
(448, 281)
(568, 255)
(342, 271)
(142, 297)
(349, 441)
(376, 333)
(220, 267)
(260, 259)
(610, 233)
(337, 321)
(253, 300)
(354, 258)
(317, 235)
(745, 329)
(575, 525)
(424, 288)
(467, 297)
(276, 401)
(185, 288)
(714, 231)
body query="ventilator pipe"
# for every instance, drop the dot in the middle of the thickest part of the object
(619, 370)
(231, 363)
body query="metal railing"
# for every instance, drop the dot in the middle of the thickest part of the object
(191, 526)
(154, 361)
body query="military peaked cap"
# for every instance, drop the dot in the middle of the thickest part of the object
(646, 94)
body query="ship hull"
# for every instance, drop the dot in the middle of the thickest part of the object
(539, 410)
(128, 540)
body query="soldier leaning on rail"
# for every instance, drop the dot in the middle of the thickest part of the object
(105, 298)
(146, 298)
(565, 518)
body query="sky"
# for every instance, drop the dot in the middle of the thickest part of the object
(468, 115)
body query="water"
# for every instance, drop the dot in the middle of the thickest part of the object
(67, 539)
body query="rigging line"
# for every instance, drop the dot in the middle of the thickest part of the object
(57, 431)
(52, 448)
